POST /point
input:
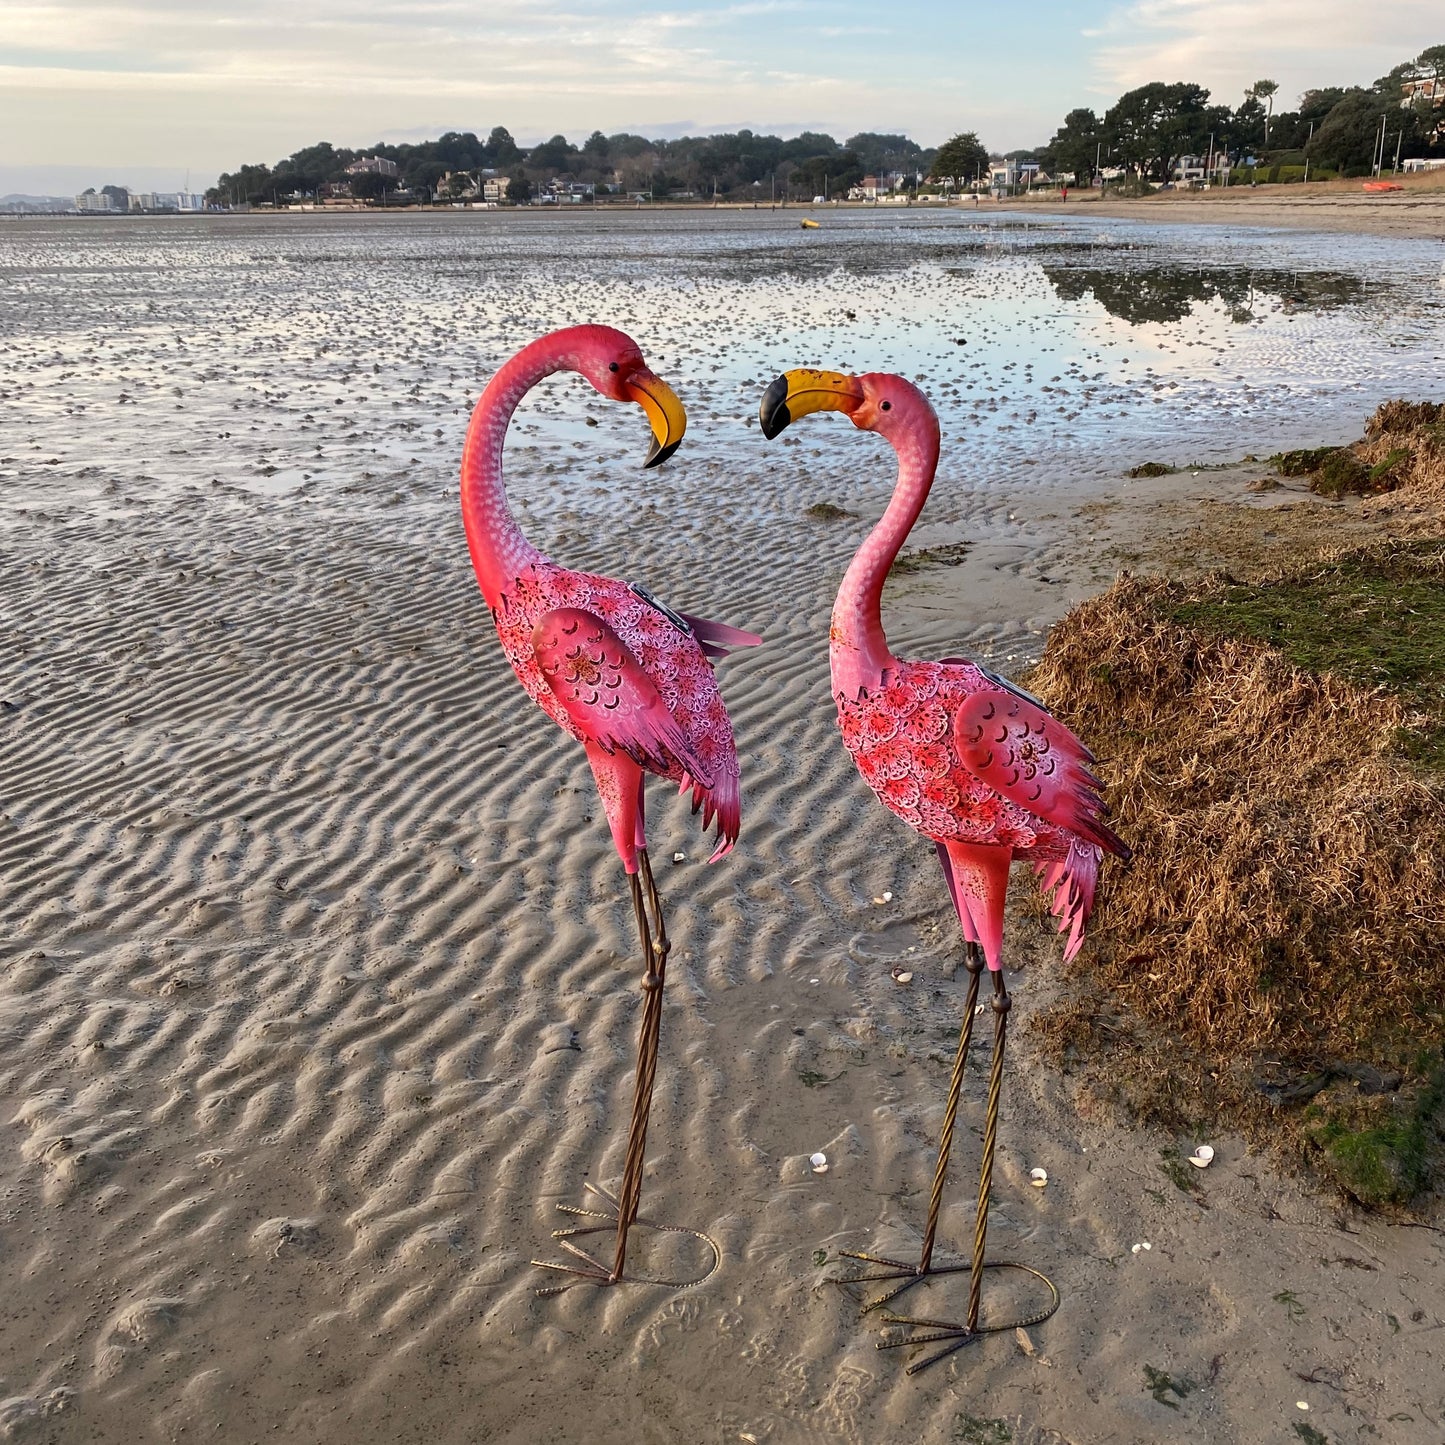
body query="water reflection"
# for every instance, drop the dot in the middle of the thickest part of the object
(1169, 293)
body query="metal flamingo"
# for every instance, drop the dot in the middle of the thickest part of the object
(629, 678)
(963, 757)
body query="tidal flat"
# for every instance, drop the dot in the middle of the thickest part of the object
(316, 990)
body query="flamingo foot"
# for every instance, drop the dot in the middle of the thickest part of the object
(594, 1271)
(910, 1274)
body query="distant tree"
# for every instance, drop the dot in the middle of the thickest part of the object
(881, 154)
(119, 196)
(519, 188)
(368, 186)
(1264, 90)
(1151, 126)
(552, 155)
(1348, 137)
(961, 159)
(1075, 146)
(596, 148)
(501, 148)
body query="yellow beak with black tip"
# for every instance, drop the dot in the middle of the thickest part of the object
(796, 393)
(664, 412)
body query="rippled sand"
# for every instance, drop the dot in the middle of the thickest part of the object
(317, 984)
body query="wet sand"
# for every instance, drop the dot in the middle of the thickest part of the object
(1417, 210)
(316, 985)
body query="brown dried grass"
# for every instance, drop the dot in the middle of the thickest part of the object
(1287, 895)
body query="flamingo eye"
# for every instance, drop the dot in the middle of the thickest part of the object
(887, 406)
(613, 367)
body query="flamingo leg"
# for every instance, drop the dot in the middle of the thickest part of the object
(911, 1274)
(620, 1211)
(951, 1335)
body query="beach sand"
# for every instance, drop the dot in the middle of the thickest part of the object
(1417, 209)
(318, 994)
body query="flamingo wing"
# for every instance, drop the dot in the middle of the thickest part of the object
(1029, 757)
(606, 694)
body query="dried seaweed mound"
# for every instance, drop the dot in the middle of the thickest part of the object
(1405, 441)
(1274, 760)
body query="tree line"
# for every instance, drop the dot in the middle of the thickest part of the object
(1144, 132)
(1333, 129)
(741, 164)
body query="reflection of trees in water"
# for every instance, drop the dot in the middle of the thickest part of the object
(1168, 293)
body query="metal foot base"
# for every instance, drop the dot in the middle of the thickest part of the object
(955, 1336)
(592, 1270)
(910, 1274)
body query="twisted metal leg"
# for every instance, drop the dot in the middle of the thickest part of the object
(911, 1274)
(957, 1336)
(621, 1211)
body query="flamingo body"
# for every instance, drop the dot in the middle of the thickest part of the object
(661, 711)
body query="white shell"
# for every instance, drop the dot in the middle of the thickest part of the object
(1038, 1177)
(1202, 1157)
(819, 1163)
(888, 898)
(1142, 1245)
(679, 857)
(902, 976)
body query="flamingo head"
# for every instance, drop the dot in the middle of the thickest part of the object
(877, 401)
(612, 361)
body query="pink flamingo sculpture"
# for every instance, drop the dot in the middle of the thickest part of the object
(629, 678)
(963, 757)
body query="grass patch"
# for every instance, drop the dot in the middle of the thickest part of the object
(1151, 469)
(1309, 1434)
(1179, 1171)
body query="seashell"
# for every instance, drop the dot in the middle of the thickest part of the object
(679, 857)
(1143, 1244)
(819, 1163)
(1038, 1177)
(902, 976)
(1202, 1157)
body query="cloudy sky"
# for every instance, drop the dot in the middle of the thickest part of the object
(146, 91)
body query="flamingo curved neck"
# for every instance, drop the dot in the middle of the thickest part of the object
(499, 550)
(858, 650)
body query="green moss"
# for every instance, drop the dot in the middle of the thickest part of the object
(1374, 618)
(1300, 463)
(1150, 469)
(1341, 474)
(1180, 1172)
(1383, 470)
(1382, 1151)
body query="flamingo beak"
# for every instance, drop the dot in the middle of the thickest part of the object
(664, 412)
(796, 393)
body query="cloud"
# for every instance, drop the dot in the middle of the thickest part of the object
(1228, 44)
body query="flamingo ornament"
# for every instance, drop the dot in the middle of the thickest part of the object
(629, 678)
(963, 757)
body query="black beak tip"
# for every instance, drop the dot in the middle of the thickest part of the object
(660, 453)
(773, 413)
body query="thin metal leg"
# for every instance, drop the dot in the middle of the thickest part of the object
(956, 1336)
(656, 947)
(896, 1269)
(620, 1211)
(1001, 1004)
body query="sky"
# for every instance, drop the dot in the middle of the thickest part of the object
(151, 92)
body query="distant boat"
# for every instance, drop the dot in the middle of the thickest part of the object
(808, 225)
(1383, 186)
